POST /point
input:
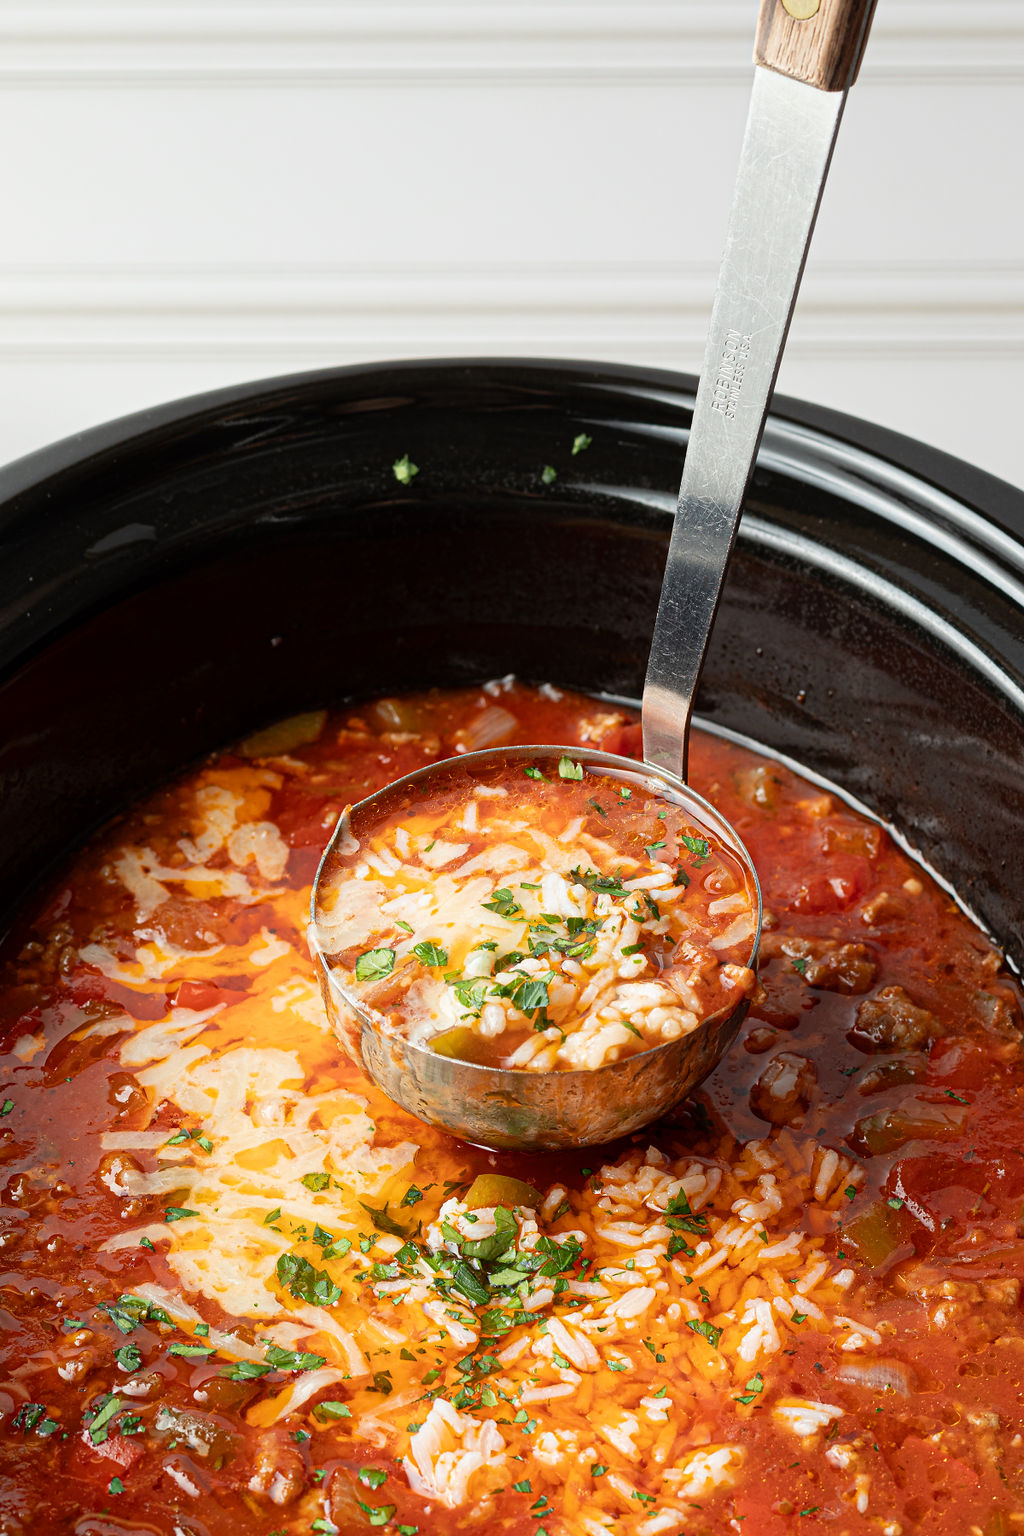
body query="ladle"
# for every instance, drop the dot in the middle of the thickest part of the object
(806, 57)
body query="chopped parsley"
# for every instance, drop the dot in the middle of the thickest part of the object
(580, 443)
(549, 474)
(753, 1387)
(404, 470)
(431, 954)
(305, 1283)
(706, 1330)
(567, 769)
(503, 903)
(375, 964)
(178, 1213)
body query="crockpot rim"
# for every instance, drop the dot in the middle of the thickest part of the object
(1000, 500)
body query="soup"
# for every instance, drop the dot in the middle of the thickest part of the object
(243, 1292)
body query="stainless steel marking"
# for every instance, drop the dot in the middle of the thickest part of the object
(731, 369)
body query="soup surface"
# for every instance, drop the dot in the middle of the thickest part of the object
(240, 1291)
(546, 917)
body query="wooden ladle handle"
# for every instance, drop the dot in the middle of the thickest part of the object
(817, 41)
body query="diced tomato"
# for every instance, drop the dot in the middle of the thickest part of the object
(960, 1061)
(625, 740)
(103, 1460)
(844, 882)
(200, 995)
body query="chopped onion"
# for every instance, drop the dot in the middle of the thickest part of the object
(879, 1375)
(493, 727)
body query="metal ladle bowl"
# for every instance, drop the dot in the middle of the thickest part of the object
(807, 55)
(519, 1109)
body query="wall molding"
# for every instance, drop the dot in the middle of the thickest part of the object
(242, 44)
(653, 310)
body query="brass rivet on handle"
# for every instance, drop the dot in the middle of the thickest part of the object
(802, 10)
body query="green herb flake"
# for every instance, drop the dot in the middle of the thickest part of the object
(292, 1360)
(305, 1283)
(375, 964)
(128, 1357)
(799, 1317)
(383, 1221)
(115, 1485)
(503, 903)
(372, 1477)
(706, 1331)
(98, 1428)
(332, 1410)
(412, 1196)
(850, 1191)
(535, 773)
(753, 1387)
(404, 470)
(580, 443)
(315, 1182)
(567, 769)
(178, 1213)
(523, 1487)
(431, 954)
(955, 1097)
(191, 1351)
(549, 474)
(597, 1470)
(377, 1514)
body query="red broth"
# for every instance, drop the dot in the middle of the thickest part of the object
(229, 1302)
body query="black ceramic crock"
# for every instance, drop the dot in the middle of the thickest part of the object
(177, 578)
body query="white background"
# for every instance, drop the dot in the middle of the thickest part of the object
(197, 194)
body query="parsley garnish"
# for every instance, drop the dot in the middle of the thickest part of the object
(707, 1331)
(403, 470)
(178, 1213)
(431, 954)
(375, 964)
(754, 1386)
(580, 442)
(306, 1283)
(503, 903)
(549, 474)
(567, 769)
(383, 1222)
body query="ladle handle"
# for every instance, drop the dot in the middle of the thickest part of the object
(800, 88)
(820, 42)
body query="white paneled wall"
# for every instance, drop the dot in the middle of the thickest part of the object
(200, 194)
